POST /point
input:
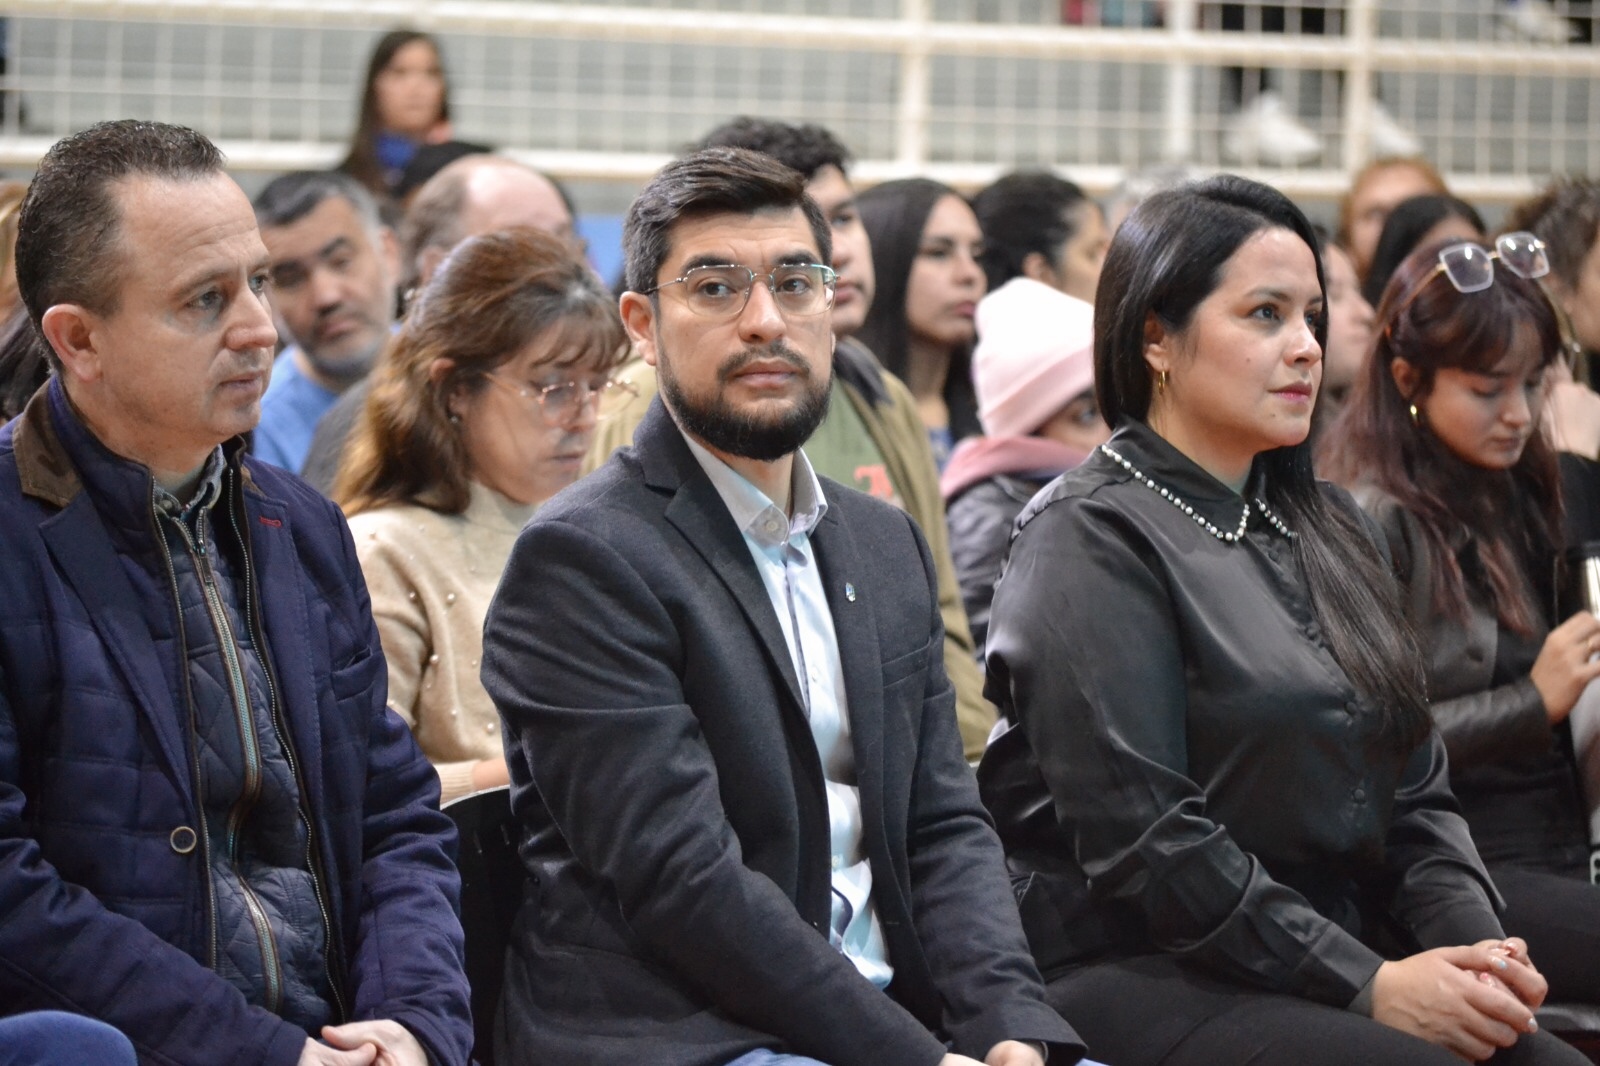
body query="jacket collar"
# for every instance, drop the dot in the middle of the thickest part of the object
(978, 459)
(43, 465)
(856, 366)
(1170, 469)
(661, 451)
(58, 457)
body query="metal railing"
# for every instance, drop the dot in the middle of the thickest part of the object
(957, 89)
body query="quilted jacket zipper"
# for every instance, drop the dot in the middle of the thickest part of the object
(250, 748)
(313, 861)
(194, 743)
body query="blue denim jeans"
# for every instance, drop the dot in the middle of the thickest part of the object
(52, 1038)
(768, 1057)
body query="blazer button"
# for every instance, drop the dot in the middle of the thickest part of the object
(183, 840)
(1360, 795)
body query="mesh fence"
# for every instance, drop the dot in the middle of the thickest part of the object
(1498, 94)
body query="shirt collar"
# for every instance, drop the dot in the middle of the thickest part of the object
(757, 516)
(206, 493)
(1170, 469)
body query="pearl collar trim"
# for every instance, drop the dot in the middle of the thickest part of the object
(1188, 509)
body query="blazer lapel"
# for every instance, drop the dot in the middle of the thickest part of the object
(697, 511)
(77, 540)
(855, 624)
(700, 515)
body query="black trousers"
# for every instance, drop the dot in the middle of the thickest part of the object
(1156, 1011)
(1559, 917)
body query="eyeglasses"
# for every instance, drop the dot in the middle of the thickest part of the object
(723, 291)
(1470, 266)
(565, 400)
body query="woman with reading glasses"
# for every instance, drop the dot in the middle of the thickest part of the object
(481, 409)
(1221, 796)
(1442, 444)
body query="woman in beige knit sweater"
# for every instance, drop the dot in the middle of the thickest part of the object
(482, 408)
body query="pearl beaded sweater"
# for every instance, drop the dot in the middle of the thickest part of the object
(431, 577)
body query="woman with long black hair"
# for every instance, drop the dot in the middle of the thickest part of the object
(1221, 794)
(1442, 444)
(405, 104)
(926, 246)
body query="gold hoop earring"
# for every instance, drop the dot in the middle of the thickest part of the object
(1161, 382)
(1416, 419)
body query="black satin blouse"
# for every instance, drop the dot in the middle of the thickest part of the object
(1190, 771)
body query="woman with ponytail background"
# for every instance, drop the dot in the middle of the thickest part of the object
(1221, 795)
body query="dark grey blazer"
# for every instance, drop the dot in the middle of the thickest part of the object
(678, 835)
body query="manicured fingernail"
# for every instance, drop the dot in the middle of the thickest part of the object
(1498, 963)
(1533, 1025)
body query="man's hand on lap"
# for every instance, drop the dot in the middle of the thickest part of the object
(1013, 1053)
(394, 1045)
(315, 1054)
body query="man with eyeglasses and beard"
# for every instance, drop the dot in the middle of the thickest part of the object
(872, 438)
(731, 740)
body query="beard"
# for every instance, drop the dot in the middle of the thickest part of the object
(724, 428)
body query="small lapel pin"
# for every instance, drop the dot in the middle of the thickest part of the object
(849, 592)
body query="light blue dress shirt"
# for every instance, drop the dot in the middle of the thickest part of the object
(290, 410)
(780, 544)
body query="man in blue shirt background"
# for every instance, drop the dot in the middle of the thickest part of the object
(335, 266)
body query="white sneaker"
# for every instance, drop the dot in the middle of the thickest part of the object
(1265, 133)
(1389, 138)
(1533, 20)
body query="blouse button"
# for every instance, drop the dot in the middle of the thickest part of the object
(183, 840)
(1360, 795)
(1352, 708)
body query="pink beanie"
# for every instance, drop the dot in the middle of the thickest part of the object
(1035, 354)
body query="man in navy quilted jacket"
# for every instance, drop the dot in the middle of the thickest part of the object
(213, 835)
